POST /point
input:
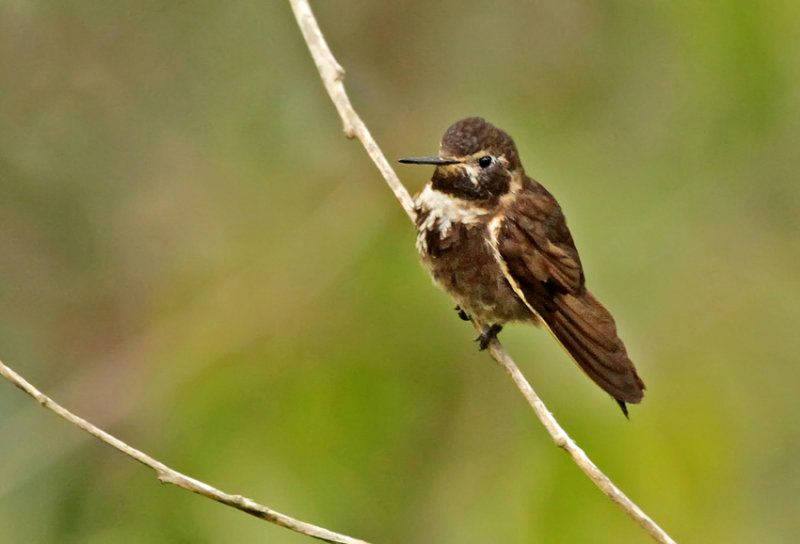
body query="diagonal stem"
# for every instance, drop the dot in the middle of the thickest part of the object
(169, 476)
(332, 75)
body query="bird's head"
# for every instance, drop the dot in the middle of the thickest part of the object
(476, 161)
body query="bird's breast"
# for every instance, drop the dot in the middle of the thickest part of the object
(454, 245)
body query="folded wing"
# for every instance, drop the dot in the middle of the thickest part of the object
(537, 255)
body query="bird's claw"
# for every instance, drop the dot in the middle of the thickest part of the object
(487, 336)
(462, 314)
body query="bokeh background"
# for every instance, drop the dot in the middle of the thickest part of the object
(193, 257)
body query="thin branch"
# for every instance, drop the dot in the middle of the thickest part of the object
(332, 77)
(563, 440)
(169, 476)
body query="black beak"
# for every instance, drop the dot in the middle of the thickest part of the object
(428, 160)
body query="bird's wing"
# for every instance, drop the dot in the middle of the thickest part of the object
(535, 234)
(535, 250)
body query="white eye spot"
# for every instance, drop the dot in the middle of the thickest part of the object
(473, 175)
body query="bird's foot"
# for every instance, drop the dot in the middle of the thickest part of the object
(462, 314)
(489, 334)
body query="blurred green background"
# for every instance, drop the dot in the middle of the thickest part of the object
(193, 257)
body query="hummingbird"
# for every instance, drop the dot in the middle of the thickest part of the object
(498, 243)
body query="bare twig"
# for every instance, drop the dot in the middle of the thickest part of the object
(169, 476)
(332, 76)
(563, 440)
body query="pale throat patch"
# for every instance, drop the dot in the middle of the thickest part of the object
(444, 210)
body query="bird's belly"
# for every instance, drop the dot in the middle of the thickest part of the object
(462, 263)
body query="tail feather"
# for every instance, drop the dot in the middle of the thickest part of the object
(587, 331)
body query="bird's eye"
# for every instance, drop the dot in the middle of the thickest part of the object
(485, 161)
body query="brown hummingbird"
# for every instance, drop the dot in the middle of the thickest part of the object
(498, 243)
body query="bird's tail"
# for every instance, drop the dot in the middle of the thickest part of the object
(587, 331)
